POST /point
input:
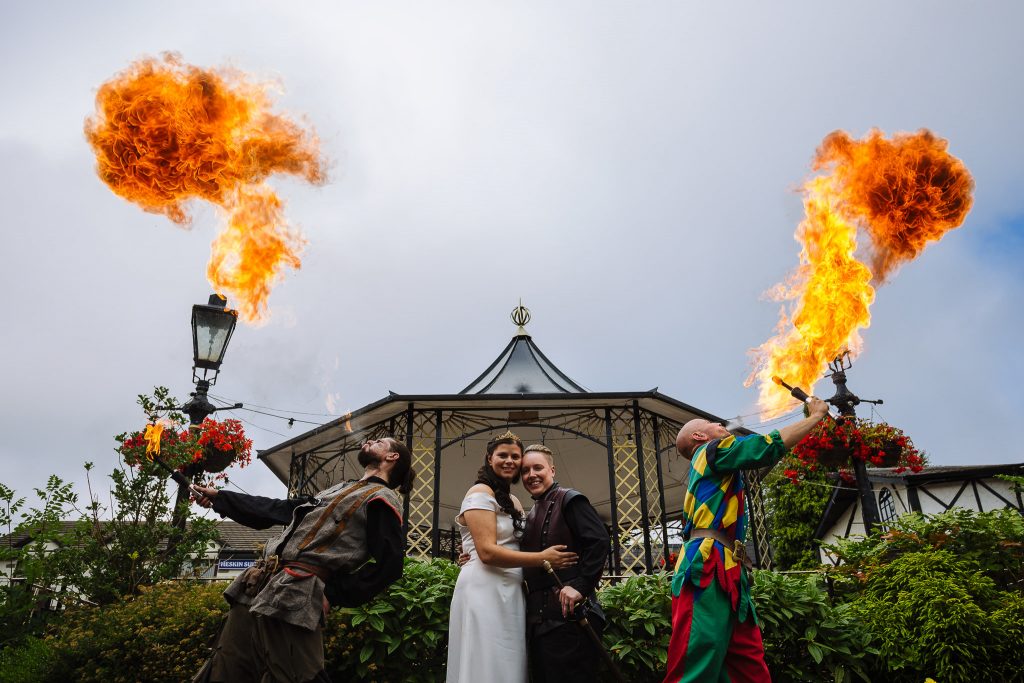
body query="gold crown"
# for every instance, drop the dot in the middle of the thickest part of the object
(507, 435)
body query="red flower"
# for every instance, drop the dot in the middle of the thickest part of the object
(866, 441)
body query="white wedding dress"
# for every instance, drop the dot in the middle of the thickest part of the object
(487, 628)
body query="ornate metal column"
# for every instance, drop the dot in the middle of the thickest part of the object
(436, 517)
(661, 485)
(645, 522)
(616, 566)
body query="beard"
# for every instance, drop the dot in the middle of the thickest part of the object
(367, 458)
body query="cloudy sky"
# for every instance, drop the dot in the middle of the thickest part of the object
(628, 169)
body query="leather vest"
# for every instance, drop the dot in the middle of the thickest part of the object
(545, 527)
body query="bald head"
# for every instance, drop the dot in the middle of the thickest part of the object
(695, 432)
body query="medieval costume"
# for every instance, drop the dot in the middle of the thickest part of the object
(559, 649)
(715, 636)
(341, 547)
(485, 627)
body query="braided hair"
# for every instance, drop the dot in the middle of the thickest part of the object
(485, 475)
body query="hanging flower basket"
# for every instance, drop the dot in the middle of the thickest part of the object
(834, 458)
(217, 459)
(888, 455)
(221, 444)
(210, 447)
(834, 445)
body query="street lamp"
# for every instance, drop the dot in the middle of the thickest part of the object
(212, 327)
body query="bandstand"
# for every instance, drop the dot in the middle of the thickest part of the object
(616, 447)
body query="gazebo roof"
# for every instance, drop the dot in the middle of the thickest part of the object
(522, 369)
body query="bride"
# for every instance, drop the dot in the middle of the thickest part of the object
(487, 628)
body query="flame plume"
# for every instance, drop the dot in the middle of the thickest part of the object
(902, 193)
(166, 132)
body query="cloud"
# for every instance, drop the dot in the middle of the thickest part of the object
(630, 174)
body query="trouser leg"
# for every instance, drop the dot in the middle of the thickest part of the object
(745, 658)
(564, 654)
(234, 657)
(289, 654)
(701, 630)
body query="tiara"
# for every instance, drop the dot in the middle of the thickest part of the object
(507, 435)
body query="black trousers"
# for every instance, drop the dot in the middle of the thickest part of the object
(564, 655)
(251, 649)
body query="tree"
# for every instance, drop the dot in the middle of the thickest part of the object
(29, 545)
(109, 551)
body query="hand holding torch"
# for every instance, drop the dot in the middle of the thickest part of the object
(589, 629)
(799, 394)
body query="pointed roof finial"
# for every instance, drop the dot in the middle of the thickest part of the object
(521, 316)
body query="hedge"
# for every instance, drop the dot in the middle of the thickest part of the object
(899, 616)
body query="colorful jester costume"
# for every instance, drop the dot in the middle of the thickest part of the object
(715, 636)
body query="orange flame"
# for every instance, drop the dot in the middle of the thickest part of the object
(152, 438)
(903, 193)
(165, 133)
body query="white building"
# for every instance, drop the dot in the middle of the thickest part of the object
(930, 491)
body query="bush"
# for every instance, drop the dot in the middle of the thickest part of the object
(402, 635)
(993, 540)
(935, 614)
(639, 625)
(159, 636)
(805, 637)
(30, 660)
(794, 510)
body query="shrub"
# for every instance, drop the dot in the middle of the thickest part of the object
(935, 614)
(159, 636)
(402, 635)
(30, 660)
(639, 625)
(805, 637)
(993, 540)
(794, 510)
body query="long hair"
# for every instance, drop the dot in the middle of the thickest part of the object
(403, 475)
(502, 494)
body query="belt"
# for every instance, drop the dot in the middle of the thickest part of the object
(739, 551)
(292, 567)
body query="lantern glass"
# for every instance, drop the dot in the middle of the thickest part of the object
(212, 326)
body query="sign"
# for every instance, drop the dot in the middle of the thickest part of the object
(235, 564)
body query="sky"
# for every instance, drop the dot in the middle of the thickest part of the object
(629, 170)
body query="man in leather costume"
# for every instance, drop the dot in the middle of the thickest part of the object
(341, 547)
(559, 649)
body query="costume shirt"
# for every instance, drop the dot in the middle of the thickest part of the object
(365, 552)
(715, 500)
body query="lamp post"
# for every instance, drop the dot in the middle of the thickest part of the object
(846, 401)
(212, 326)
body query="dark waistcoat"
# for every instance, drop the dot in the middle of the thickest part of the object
(545, 527)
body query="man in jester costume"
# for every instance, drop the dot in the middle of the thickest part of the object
(715, 636)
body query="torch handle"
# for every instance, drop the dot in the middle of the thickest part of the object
(799, 394)
(177, 476)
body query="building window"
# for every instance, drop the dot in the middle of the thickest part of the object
(886, 508)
